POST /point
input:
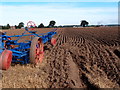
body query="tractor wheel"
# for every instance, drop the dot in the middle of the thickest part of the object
(36, 51)
(53, 41)
(5, 59)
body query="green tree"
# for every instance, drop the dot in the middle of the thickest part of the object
(52, 23)
(8, 26)
(41, 25)
(21, 24)
(84, 23)
(16, 26)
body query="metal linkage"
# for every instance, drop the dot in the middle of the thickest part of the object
(20, 53)
(31, 51)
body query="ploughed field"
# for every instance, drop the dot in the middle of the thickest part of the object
(82, 58)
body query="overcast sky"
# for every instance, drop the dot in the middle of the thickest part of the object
(67, 12)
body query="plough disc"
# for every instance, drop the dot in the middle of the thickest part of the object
(53, 41)
(36, 51)
(5, 59)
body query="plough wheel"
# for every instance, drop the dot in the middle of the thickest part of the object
(5, 59)
(36, 51)
(53, 41)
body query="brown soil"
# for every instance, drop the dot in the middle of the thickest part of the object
(82, 58)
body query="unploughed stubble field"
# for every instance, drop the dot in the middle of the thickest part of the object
(82, 58)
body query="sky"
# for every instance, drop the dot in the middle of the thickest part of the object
(64, 12)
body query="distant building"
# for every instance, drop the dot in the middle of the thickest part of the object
(0, 26)
(12, 27)
(71, 26)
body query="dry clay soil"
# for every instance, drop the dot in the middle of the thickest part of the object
(82, 58)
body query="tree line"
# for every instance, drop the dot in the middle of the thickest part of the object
(19, 26)
(52, 23)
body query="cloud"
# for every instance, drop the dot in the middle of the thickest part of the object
(62, 15)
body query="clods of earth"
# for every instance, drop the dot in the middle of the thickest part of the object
(82, 58)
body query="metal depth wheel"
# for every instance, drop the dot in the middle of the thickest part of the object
(5, 59)
(36, 51)
(30, 25)
(53, 41)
